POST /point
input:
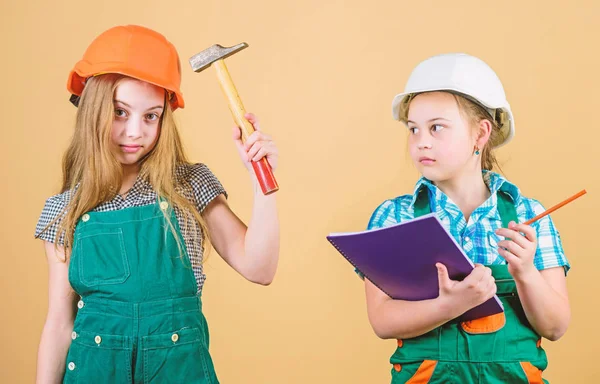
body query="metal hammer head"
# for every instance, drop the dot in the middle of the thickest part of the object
(204, 59)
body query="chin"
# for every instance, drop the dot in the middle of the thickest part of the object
(128, 161)
(432, 174)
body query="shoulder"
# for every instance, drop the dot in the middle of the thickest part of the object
(203, 182)
(194, 172)
(49, 220)
(54, 205)
(528, 207)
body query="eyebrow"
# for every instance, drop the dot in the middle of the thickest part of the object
(430, 120)
(129, 106)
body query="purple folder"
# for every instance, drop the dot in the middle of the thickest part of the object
(400, 260)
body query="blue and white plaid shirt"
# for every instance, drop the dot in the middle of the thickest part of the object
(477, 236)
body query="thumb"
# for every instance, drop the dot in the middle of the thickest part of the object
(443, 278)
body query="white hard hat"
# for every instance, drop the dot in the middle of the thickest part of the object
(466, 75)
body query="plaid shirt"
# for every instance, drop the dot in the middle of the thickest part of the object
(477, 236)
(204, 188)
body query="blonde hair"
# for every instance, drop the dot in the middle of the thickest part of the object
(92, 175)
(474, 113)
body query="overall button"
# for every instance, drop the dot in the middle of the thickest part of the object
(80, 304)
(164, 205)
(98, 340)
(175, 337)
(71, 366)
(73, 335)
(85, 217)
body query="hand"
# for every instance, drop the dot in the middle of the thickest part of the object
(257, 146)
(478, 287)
(518, 250)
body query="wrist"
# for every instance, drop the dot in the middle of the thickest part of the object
(448, 307)
(527, 275)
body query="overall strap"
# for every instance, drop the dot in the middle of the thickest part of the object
(506, 206)
(422, 205)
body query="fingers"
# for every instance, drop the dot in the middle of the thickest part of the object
(443, 278)
(510, 246)
(251, 117)
(527, 230)
(479, 279)
(510, 257)
(513, 232)
(478, 274)
(255, 137)
(261, 149)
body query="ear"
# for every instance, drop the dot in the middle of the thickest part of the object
(484, 130)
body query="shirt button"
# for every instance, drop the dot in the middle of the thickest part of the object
(85, 217)
(73, 335)
(175, 337)
(467, 239)
(80, 304)
(164, 205)
(71, 366)
(98, 340)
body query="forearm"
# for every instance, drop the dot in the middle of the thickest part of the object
(399, 319)
(52, 352)
(548, 312)
(262, 238)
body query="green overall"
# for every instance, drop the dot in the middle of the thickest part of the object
(501, 348)
(140, 317)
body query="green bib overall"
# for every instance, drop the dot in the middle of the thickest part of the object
(501, 348)
(140, 317)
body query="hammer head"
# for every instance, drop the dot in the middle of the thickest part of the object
(204, 59)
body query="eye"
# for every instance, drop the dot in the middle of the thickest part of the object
(437, 127)
(120, 112)
(152, 116)
(413, 130)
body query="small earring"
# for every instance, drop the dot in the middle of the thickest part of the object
(477, 151)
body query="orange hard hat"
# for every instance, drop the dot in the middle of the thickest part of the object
(133, 51)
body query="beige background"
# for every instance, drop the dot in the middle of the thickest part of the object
(321, 75)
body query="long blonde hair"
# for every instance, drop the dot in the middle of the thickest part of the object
(92, 175)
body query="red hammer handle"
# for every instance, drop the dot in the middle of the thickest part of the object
(262, 168)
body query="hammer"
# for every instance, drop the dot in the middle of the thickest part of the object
(215, 56)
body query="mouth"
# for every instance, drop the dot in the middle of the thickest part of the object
(426, 160)
(130, 148)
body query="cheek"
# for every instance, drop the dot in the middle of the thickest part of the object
(116, 130)
(413, 150)
(152, 133)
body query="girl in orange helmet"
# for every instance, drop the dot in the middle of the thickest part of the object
(125, 237)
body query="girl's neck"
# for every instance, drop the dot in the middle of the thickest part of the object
(130, 174)
(467, 190)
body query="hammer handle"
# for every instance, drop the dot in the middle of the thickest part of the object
(262, 168)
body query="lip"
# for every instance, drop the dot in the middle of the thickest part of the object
(130, 148)
(426, 160)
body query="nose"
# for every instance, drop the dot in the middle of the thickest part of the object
(133, 129)
(423, 141)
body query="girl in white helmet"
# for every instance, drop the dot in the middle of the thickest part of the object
(456, 112)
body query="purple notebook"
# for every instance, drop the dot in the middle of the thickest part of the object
(400, 260)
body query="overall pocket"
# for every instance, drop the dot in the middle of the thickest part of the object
(98, 357)
(177, 357)
(101, 257)
(414, 373)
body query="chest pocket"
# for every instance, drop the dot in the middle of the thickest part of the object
(101, 257)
